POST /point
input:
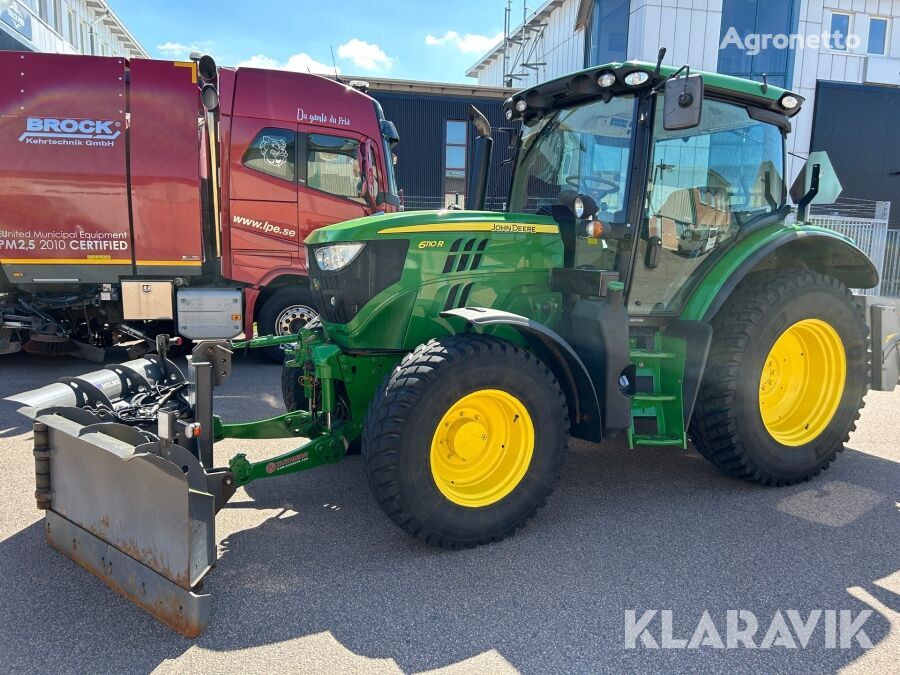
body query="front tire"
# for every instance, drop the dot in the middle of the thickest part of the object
(465, 440)
(785, 378)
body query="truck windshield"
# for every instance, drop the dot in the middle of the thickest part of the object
(584, 148)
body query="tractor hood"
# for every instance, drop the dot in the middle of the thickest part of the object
(408, 223)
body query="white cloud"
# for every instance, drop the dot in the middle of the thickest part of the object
(364, 55)
(470, 43)
(174, 49)
(177, 50)
(301, 63)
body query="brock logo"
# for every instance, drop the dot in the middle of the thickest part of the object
(86, 131)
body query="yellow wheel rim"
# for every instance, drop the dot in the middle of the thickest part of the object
(482, 448)
(802, 382)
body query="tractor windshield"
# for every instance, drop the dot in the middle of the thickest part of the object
(584, 148)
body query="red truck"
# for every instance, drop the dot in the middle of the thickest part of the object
(139, 193)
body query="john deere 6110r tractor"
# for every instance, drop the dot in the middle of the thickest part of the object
(642, 283)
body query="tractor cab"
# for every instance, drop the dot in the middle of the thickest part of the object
(651, 172)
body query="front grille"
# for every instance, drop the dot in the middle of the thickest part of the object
(341, 294)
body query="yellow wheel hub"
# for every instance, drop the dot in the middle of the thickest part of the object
(482, 448)
(802, 382)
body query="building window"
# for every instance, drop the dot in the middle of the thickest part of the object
(878, 36)
(57, 15)
(837, 34)
(607, 32)
(332, 166)
(743, 18)
(273, 152)
(71, 34)
(457, 133)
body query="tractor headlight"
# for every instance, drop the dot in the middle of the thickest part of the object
(789, 102)
(606, 80)
(636, 78)
(337, 256)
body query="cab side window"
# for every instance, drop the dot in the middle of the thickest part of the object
(705, 184)
(332, 166)
(273, 152)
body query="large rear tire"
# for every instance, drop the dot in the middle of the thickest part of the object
(465, 440)
(285, 312)
(785, 378)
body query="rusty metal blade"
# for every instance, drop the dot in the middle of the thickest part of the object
(139, 512)
(184, 611)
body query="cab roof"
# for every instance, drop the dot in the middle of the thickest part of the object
(582, 85)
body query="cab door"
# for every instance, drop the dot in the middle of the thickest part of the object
(331, 188)
(263, 194)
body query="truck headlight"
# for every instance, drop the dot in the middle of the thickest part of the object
(337, 256)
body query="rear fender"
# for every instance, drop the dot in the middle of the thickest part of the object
(552, 349)
(780, 247)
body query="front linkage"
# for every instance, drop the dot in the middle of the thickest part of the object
(336, 387)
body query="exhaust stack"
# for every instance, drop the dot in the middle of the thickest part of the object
(481, 162)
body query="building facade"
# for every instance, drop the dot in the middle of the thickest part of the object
(66, 27)
(435, 149)
(803, 45)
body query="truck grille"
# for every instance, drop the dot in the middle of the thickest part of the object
(341, 294)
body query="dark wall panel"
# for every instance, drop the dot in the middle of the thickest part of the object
(857, 125)
(10, 44)
(420, 120)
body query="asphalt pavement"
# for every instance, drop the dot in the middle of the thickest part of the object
(312, 577)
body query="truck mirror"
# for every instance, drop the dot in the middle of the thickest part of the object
(210, 96)
(206, 66)
(366, 157)
(683, 103)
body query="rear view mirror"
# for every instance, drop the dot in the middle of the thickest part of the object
(817, 183)
(683, 103)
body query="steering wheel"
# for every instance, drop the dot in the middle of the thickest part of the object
(594, 183)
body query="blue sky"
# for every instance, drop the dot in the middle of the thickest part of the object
(404, 39)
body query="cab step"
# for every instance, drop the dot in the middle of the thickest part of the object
(657, 440)
(651, 397)
(642, 354)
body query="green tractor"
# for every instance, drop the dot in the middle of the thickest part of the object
(643, 283)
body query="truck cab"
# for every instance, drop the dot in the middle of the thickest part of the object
(137, 197)
(295, 165)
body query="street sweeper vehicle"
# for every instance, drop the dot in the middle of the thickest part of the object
(461, 350)
(139, 197)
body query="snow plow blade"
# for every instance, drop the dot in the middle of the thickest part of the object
(125, 478)
(134, 513)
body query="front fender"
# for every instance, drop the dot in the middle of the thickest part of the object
(560, 357)
(779, 246)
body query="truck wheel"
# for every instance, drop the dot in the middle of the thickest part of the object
(285, 312)
(465, 440)
(785, 378)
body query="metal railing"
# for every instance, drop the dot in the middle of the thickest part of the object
(437, 202)
(866, 223)
(890, 273)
